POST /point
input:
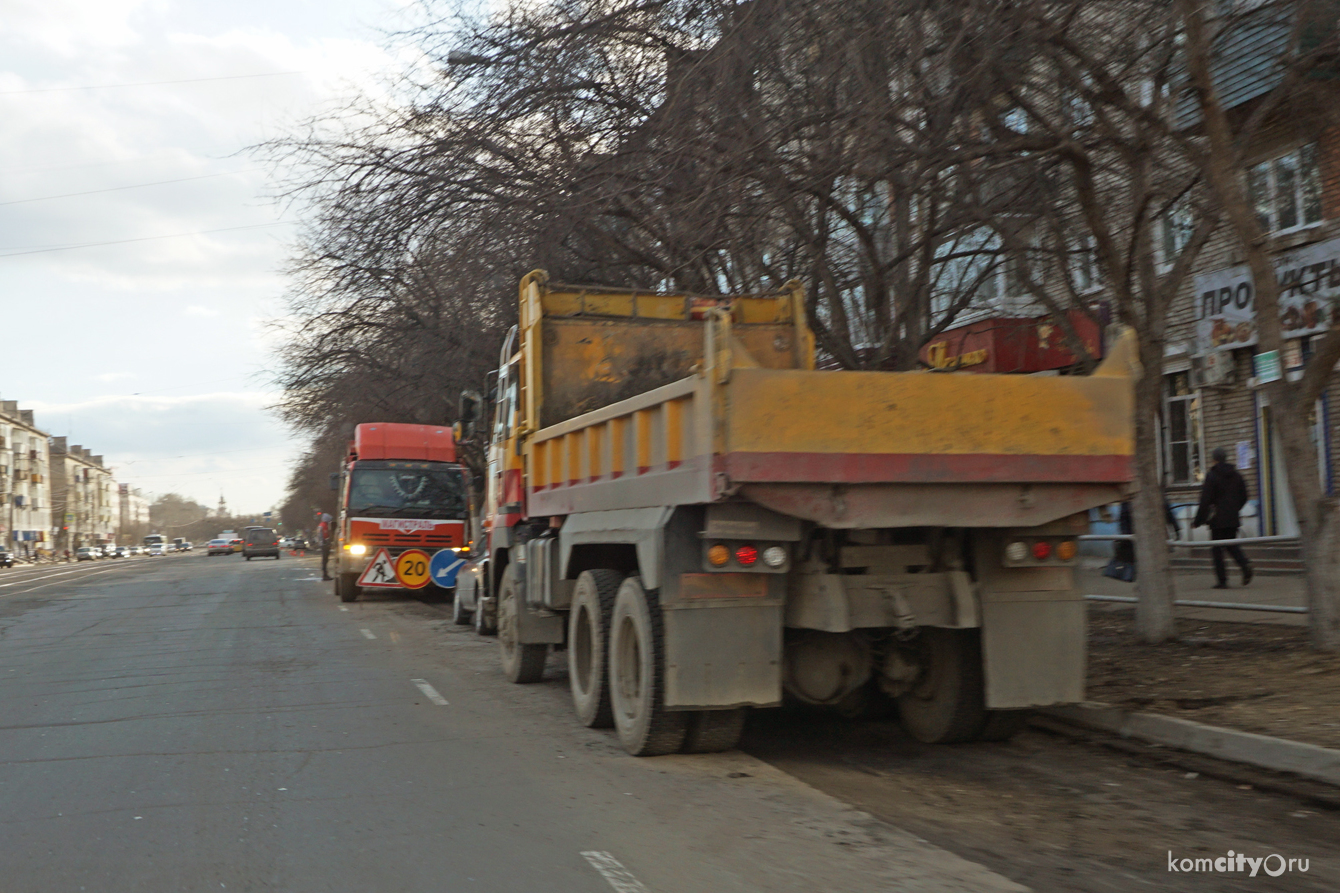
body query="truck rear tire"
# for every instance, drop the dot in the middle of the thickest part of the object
(521, 664)
(712, 731)
(946, 705)
(637, 675)
(588, 646)
(346, 587)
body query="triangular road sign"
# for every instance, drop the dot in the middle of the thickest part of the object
(380, 573)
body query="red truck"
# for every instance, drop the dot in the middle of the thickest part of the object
(401, 493)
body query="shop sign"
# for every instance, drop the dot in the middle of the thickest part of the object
(1309, 283)
(1267, 366)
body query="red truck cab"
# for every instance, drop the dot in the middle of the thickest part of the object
(400, 488)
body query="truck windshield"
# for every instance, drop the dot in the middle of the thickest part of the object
(406, 489)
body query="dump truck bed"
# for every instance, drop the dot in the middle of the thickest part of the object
(753, 419)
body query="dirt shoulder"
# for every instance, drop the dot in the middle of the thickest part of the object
(1253, 677)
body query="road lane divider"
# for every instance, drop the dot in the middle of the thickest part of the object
(429, 692)
(368, 634)
(612, 870)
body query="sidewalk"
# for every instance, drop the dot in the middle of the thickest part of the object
(1198, 585)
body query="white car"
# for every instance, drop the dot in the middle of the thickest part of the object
(157, 549)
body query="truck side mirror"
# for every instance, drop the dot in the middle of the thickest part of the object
(334, 480)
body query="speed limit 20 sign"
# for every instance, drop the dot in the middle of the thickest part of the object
(411, 569)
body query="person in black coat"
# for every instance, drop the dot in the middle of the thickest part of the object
(1222, 497)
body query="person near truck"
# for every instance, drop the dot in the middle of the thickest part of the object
(1222, 497)
(323, 532)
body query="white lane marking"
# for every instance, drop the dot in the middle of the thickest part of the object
(429, 692)
(45, 585)
(620, 878)
(343, 608)
(368, 634)
(64, 573)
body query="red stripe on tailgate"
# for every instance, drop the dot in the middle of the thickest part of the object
(874, 468)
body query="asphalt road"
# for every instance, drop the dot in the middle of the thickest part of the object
(189, 723)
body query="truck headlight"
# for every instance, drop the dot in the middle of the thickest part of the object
(357, 549)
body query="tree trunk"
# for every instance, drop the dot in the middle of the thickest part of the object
(1154, 621)
(1318, 525)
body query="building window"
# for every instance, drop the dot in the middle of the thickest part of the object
(1084, 267)
(1174, 232)
(1182, 463)
(1286, 190)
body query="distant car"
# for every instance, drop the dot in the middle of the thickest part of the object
(236, 544)
(219, 547)
(6, 558)
(157, 549)
(121, 552)
(185, 547)
(87, 553)
(260, 541)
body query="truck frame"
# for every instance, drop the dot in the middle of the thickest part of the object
(705, 522)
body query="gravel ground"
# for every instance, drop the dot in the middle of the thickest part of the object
(1254, 677)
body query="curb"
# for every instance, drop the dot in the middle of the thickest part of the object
(1263, 751)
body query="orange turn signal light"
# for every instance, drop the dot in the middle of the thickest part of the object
(1067, 550)
(718, 555)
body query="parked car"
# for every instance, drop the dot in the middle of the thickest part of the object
(259, 541)
(157, 549)
(219, 547)
(6, 558)
(87, 553)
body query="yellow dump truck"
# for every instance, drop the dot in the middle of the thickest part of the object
(705, 522)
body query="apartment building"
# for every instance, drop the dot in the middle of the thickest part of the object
(1214, 373)
(25, 514)
(86, 501)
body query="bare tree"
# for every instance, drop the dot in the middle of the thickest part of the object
(1296, 41)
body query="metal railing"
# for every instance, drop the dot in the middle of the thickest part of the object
(1200, 544)
(1194, 544)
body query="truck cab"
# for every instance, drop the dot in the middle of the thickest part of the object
(400, 489)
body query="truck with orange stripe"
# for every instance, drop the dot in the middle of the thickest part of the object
(706, 523)
(400, 488)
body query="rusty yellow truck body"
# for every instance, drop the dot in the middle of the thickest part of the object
(680, 497)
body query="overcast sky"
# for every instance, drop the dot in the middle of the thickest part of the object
(152, 350)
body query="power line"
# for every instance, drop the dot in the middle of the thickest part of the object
(203, 232)
(44, 198)
(230, 77)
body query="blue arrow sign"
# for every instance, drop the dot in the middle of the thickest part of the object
(443, 567)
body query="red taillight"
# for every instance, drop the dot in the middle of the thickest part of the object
(746, 555)
(1041, 550)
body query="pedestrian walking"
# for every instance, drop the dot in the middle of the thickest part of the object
(1222, 497)
(323, 531)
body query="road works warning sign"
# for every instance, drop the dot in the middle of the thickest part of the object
(380, 573)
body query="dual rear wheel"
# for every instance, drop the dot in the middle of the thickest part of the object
(616, 669)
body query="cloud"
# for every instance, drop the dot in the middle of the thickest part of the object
(201, 445)
(196, 310)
